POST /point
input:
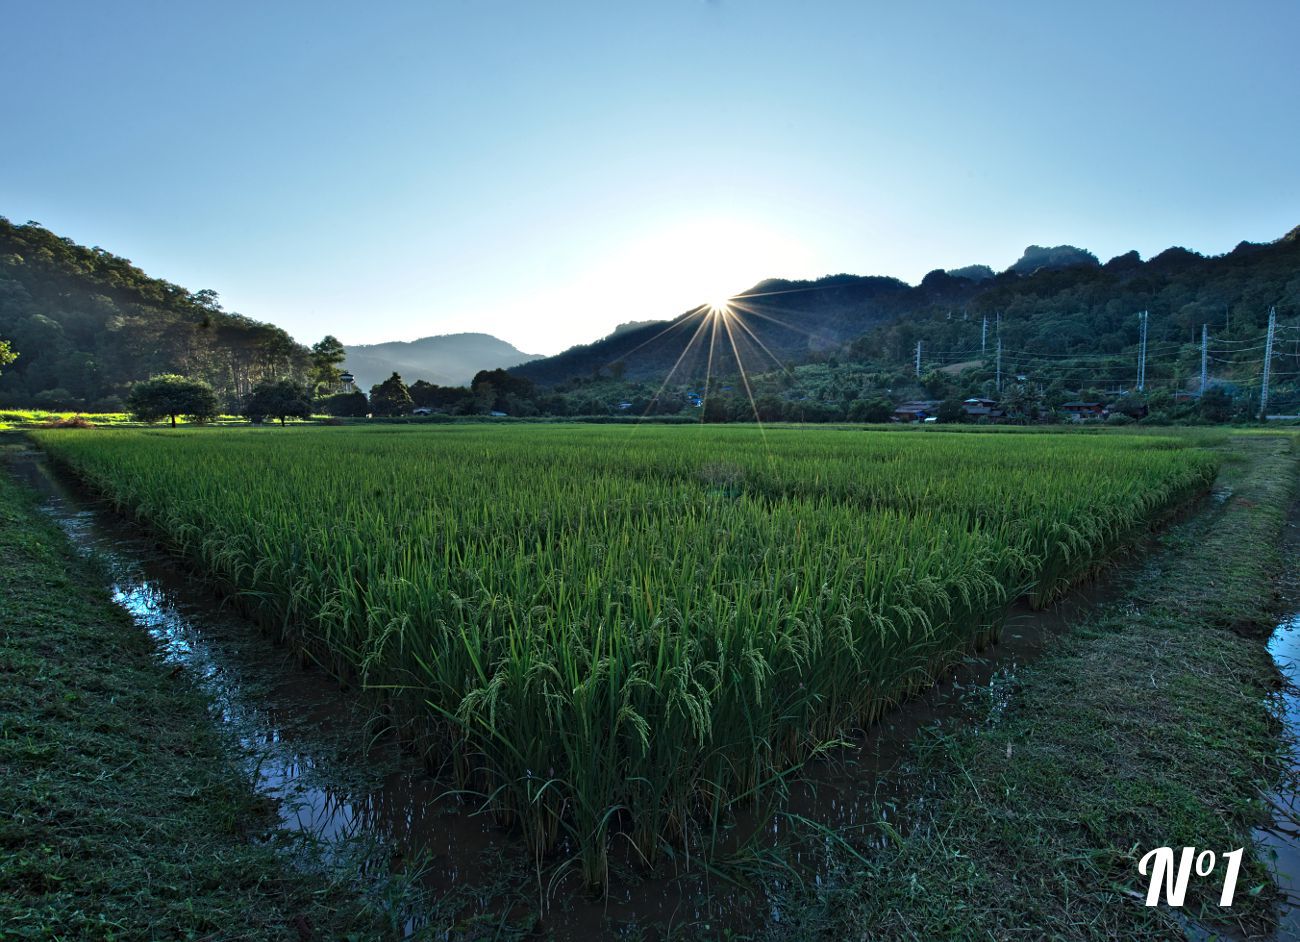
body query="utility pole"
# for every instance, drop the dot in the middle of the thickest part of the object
(918, 358)
(984, 335)
(1268, 363)
(999, 380)
(1205, 355)
(1142, 352)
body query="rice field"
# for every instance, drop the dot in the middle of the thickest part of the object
(623, 634)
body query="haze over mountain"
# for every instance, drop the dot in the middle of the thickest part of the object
(444, 359)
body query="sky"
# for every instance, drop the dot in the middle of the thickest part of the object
(544, 171)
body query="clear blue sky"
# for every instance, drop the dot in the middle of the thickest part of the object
(541, 171)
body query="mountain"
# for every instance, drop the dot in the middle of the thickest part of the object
(1053, 302)
(972, 272)
(87, 324)
(1037, 258)
(444, 360)
(775, 322)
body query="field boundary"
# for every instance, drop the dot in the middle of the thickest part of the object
(1149, 725)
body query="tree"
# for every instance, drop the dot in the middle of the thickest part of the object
(1215, 405)
(391, 397)
(280, 399)
(349, 405)
(875, 409)
(169, 395)
(326, 356)
(7, 355)
(951, 410)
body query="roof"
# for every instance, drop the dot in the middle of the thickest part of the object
(918, 405)
(1080, 405)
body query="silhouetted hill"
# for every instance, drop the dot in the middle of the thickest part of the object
(776, 321)
(444, 360)
(972, 272)
(1038, 257)
(1052, 302)
(87, 323)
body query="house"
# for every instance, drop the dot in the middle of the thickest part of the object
(421, 410)
(498, 415)
(624, 406)
(982, 410)
(917, 411)
(1078, 411)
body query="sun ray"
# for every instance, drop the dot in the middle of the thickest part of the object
(708, 374)
(702, 309)
(740, 322)
(664, 385)
(749, 309)
(744, 379)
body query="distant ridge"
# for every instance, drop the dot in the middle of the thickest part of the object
(1053, 299)
(443, 359)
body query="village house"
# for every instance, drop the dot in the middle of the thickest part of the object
(982, 410)
(1077, 411)
(917, 411)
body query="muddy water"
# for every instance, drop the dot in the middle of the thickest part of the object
(305, 744)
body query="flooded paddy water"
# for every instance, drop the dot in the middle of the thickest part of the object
(1280, 839)
(308, 746)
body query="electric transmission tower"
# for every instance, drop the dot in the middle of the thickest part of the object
(1268, 363)
(1142, 352)
(1205, 355)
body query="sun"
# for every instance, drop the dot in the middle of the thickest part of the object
(720, 306)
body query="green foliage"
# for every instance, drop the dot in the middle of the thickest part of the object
(649, 625)
(453, 399)
(7, 354)
(1215, 405)
(281, 399)
(90, 324)
(391, 397)
(876, 409)
(168, 396)
(347, 405)
(327, 355)
(950, 411)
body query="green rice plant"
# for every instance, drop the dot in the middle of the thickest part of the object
(617, 634)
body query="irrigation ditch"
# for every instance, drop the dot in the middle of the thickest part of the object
(313, 749)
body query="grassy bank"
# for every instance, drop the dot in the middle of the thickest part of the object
(1149, 726)
(122, 813)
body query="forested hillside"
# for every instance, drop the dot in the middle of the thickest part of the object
(784, 321)
(86, 324)
(1054, 306)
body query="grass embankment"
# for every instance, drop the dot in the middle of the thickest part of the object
(122, 813)
(1150, 726)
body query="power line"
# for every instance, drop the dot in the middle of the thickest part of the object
(1268, 362)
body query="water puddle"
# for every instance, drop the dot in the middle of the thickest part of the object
(305, 744)
(1279, 842)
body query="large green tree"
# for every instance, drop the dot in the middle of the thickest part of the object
(327, 355)
(391, 397)
(168, 396)
(281, 399)
(352, 405)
